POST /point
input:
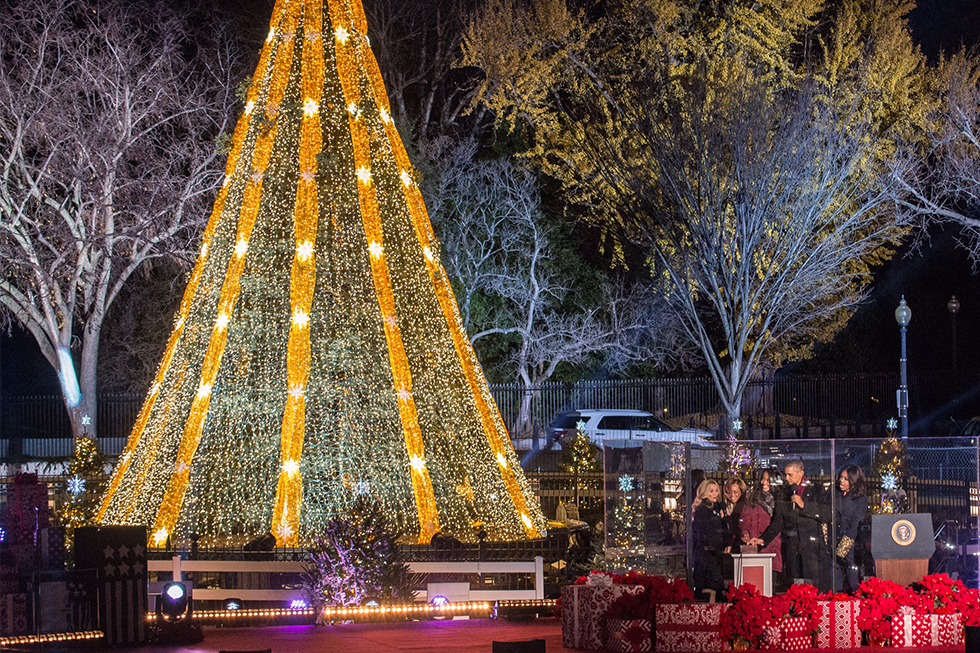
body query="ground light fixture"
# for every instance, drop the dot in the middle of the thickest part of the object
(174, 603)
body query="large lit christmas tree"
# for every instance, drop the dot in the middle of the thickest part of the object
(318, 355)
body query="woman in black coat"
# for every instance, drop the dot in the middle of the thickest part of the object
(711, 538)
(851, 509)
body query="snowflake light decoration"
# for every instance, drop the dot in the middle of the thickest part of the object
(625, 483)
(580, 425)
(892, 424)
(889, 482)
(736, 425)
(76, 485)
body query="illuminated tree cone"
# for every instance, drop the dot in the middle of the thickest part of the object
(318, 354)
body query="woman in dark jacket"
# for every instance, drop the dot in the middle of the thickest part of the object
(851, 509)
(711, 539)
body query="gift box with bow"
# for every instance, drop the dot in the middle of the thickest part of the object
(583, 613)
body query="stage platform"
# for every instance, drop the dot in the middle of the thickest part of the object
(459, 636)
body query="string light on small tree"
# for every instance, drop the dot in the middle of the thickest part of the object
(891, 466)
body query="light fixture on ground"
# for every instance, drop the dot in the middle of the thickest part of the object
(903, 315)
(174, 603)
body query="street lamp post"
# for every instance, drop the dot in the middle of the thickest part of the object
(903, 315)
(954, 307)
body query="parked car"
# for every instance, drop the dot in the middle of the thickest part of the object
(611, 424)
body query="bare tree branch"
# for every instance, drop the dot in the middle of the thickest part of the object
(499, 248)
(108, 121)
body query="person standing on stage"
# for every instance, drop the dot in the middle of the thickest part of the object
(802, 516)
(851, 508)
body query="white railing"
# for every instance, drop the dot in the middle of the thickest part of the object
(178, 567)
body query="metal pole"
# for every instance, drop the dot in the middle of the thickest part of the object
(954, 343)
(903, 407)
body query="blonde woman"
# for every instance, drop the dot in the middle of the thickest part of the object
(711, 539)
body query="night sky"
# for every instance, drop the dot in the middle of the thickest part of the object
(928, 276)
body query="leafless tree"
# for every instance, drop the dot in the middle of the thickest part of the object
(945, 186)
(418, 45)
(764, 209)
(500, 250)
(109, 117)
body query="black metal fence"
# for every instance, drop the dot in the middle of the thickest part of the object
(787, 406)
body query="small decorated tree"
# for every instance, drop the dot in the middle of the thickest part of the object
(81, 489)
(891, 467)
(355, 560)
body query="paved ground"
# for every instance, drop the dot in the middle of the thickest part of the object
(462, 636)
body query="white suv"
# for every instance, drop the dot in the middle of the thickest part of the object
(602, 425)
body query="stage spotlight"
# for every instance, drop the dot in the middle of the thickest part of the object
(439, 601)
(233, 604)
(174, 604)
(298, 604)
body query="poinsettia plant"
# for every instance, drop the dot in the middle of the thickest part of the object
(938, 594)
(970, 607)
(801, 601)
(748, 614)
(630, 606)
(880, 601)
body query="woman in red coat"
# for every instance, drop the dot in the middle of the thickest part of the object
(756, 516)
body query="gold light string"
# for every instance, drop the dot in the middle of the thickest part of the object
(490, 418)
(345, 43)
(126, 459)
(289, 493)
(173, 497)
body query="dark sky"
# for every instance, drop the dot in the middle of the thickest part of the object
(927, 277)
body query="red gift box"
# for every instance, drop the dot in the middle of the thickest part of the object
(13, 614)
(794, 635)
(915, 630)
(837, 621)
(583, 613)
(690, 628)
(628, 635)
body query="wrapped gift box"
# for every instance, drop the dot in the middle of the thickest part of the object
(690, 628)
(837, 621)
(915, 630)
(794, 635)
(583, 613)
(628, 635)
(13, 614)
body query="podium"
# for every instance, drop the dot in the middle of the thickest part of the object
(901, 546)
(755, 569)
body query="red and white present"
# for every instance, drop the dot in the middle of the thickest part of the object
(794, 634)
(837, 621)
(583, 613)
(13, 614)
(914, 630)
(690, 628)
(628, 635)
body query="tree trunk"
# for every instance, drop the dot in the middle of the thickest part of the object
(524, 417)
(89, 381)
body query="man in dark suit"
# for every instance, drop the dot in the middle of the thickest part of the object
(802, 515)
